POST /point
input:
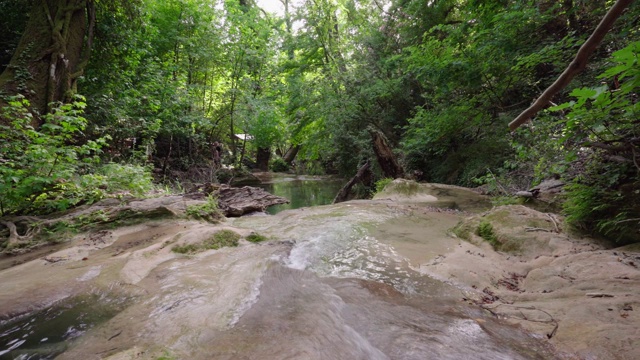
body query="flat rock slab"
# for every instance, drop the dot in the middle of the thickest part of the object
(232, 201)
(247, 199)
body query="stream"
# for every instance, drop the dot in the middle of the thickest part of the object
(302, 191)
(335, 282)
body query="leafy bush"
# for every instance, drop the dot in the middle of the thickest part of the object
(380, 184)
(279, 165)
(600, 133)
(39, 168)
(48, 169)
(135, 179)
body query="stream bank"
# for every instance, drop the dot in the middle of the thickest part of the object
(366, 279)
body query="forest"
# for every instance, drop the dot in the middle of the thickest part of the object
(104, 97)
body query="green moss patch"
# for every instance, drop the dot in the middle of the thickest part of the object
(256, 238)
(219, 239)
(207, 211)
(187, 249)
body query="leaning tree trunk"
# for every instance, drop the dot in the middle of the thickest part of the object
(384, 154)
(52, 53)
(291, 154)
(362, 175)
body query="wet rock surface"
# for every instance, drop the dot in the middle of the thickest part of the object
(578, 292)
(381, 279)
(231, 201)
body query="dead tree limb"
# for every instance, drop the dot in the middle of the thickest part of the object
(577, 65)
(344, 192)
(384, 154)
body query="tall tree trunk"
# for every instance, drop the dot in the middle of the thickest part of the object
(262, 159)
(52, 52)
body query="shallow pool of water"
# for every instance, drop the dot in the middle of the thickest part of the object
(302, 191)
(49, 332)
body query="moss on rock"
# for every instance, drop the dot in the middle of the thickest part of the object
(514, 229)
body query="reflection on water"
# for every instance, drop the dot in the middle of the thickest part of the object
(47, 333)
(303, 192)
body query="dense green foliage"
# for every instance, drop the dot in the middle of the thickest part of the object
(303, 89)
(601, 126)
(52, 168)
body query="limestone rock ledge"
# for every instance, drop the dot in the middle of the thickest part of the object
(525, 266)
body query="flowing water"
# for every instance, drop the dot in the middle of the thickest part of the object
(344, 291)
(335, 282)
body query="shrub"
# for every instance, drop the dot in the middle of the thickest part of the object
(380, 184)
(39, 168)
(279, 165)
(207, 211)
(601, 133)
(131, 178)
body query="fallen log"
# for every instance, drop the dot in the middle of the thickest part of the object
(343, 194)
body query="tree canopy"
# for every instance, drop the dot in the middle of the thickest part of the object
(314, 87)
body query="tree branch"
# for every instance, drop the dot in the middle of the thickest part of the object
(577, 65)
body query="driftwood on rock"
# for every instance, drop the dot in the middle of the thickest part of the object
(384, 154)
(239, 201)
(344, 192)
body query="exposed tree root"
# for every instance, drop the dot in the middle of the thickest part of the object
(32, 224)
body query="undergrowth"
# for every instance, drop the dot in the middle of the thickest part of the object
(485, 231)
(207, 211)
